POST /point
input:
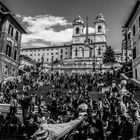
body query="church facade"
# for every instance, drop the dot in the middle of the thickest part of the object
(87, 48)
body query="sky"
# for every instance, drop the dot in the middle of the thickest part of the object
(49, 22)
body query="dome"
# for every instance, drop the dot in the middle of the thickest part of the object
(79, 20)
(100, 17)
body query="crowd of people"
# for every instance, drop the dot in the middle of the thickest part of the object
(112, 116)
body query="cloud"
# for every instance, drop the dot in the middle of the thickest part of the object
(90, 30)
(41, 28)
(39, 45)
(18, 15)
(44, 30)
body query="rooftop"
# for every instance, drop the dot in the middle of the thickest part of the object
(12, 16)
(33, 48)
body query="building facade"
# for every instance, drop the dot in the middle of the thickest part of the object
(10, 42)
(132, 25)
(48, 54)
(127, 51)
(89, 45)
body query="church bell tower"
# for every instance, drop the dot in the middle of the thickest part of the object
(78, 29)
(100, 24)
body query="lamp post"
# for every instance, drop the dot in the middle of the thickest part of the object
(94, 63)
(52, 62)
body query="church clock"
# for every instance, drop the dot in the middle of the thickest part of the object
(77, 39)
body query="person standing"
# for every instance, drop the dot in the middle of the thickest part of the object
(126, 129)
(25, 102)
(33, 102)
(100, 107)
(13, 104)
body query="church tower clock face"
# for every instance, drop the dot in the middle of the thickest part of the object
(77, 39)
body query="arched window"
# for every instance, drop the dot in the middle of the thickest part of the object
(76, 52)
(8, 50)
(99, 51)
(99, 29)
(77, 30)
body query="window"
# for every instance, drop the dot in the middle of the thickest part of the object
(34, 54)
(13, 74)
(38, 54)
(15, 55)
(136, 76)
(90, 53)
(6, 69)
(30, 54)
(56, 53)
(51, 53)
(129, 36)
(10, 30)
(134, 51)
(52, 58)
(99, 51)
(77, 30)
(47, 59)
(61, 50)
(61, 56)
(99, 29)
(76, 52)
(17, 35)
(65, 52)
(139, 21)
(8, 50)
(134, 30)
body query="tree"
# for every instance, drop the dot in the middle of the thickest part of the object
(109, 55)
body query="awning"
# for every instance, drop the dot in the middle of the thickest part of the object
(124, 76)
(135, 82)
